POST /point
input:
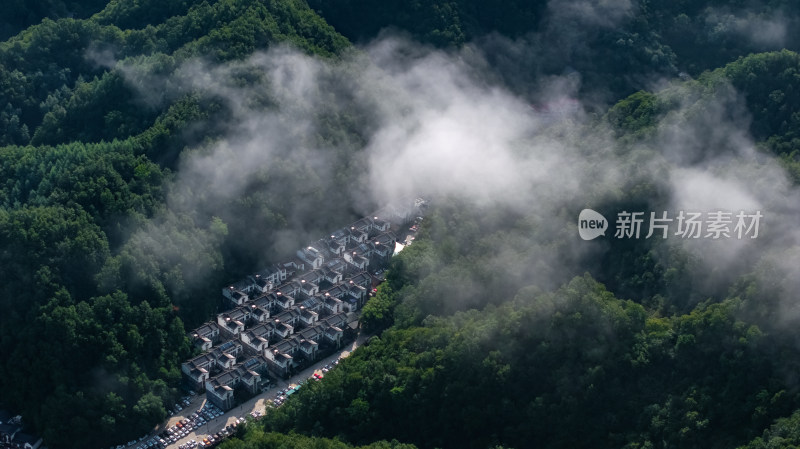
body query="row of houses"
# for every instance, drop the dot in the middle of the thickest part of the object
(326, 260)
(281, 316)
(247, 375)
(275, 314)
(278, 359)
(263, 340)
(282, 356)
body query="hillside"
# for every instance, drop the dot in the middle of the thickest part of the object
(153, 151)
(98, 272)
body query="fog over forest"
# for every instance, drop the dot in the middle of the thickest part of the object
(153, 152)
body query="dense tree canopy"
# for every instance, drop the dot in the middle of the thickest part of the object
(483, 337)
(542, 365)
(99, 275)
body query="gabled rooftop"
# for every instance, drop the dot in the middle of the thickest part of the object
(337, 291)
(259, 332)
(200, 365)
(271, 271)
(206, 330)
(338, 320)
(364, 224)
(340, 234)
(386, 238)
(256, 363)
(228, 347)
(312, 333)
(288, 289)
(243, 285)
(288, 315)
(313, 276)
(362, 278)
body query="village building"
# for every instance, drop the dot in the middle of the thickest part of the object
(205, 336)
(282, 316)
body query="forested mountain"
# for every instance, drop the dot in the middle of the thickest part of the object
(153, 151)
(21, 14)
(257, 438)
(99, 276)
(616, 46)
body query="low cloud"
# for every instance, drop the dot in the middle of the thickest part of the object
(442, 124)
(764, 31)
(603, 13)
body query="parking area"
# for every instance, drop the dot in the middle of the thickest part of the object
(192, 424)
(188, 411)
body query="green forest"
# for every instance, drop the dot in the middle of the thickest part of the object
(153, 151)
